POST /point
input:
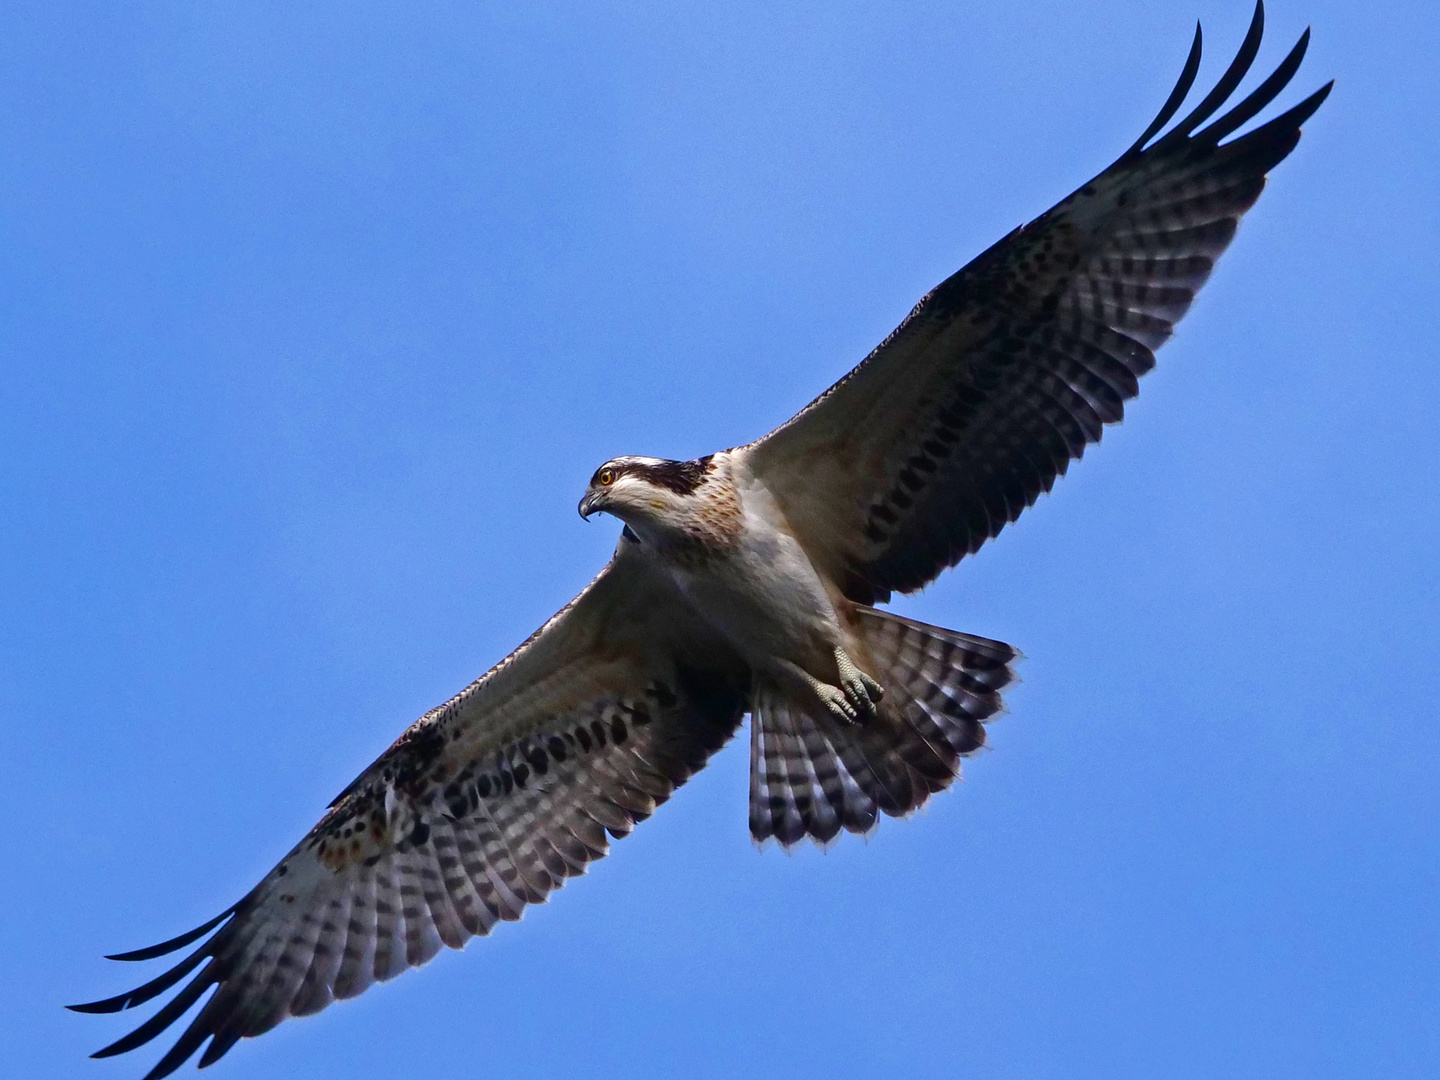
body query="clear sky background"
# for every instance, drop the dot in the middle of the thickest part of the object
(315, 320)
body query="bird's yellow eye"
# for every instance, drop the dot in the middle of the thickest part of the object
(606, 477)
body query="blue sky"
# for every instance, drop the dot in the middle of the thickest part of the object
(314, 323)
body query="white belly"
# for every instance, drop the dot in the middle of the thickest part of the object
(764, 595)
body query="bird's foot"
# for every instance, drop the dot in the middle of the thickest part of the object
(853, 701)
(861, 692)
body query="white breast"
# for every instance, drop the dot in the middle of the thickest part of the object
(763, 594)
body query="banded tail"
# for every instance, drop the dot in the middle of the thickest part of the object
(811, 775)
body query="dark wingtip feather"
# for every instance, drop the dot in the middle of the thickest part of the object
(1261, 96)
(1177, 95)
(1272, 141)
(1306, 109)
(1234, 74)
(219, 1046)
(106, 1006)
(173, 1010)
(174, 943)
(142, 994)
(1246, 110)
(178, 1054)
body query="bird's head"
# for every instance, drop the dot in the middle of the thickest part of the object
(648, 494)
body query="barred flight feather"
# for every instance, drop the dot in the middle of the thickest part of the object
(1008, 370)
(448, 834)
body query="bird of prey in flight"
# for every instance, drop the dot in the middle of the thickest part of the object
(745, 582)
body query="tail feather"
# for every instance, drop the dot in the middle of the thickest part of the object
(802, 784)
(854, 810)
(780, 796)
(814, 776)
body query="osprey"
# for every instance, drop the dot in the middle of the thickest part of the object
(745, 582)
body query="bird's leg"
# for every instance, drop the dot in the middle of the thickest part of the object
(862, 692)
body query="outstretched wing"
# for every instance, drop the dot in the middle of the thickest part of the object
(485, 805)
(1009, 369)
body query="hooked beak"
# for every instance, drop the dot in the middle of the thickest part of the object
(592, 503)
